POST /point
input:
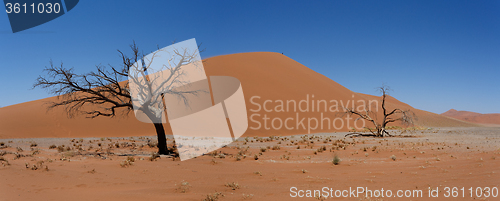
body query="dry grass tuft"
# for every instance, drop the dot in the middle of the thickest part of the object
(233, 185)
(128, 162)
(154, 156)
(4, 161)
(336, 160)
(247, 196)
(183, 187)
(213, 197)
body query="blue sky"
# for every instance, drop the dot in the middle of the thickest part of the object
(436, 55)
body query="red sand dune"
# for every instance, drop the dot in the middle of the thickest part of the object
(271, 76)
(474, 117)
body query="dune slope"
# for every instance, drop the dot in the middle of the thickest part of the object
(473, 117)
(265, 76)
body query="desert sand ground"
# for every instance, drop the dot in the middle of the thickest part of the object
(260, 168)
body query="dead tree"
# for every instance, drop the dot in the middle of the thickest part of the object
(106, 92)
(389, 116)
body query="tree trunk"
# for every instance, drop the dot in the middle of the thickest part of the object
(162, 139)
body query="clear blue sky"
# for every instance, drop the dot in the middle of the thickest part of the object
(436, 55)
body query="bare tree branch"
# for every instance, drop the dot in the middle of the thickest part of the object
(396, 115)
(106, 90)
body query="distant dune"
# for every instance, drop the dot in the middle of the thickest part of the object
(264, 76)
(493, 118)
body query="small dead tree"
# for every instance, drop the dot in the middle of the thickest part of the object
(396, 115)
(106, 91)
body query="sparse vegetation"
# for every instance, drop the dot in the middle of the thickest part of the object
(127, 162)
(247, 196)
(213, 197)
(183, 187)
(154, 156)
(393, 157)
(4, 161)
(37, 166)
(233, 185)
(336, 160)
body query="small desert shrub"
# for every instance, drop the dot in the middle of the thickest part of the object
(248, 196)
(52, 146)
(18, 155)
(263, 149)
(233, 185)
(128, 162)
(256, 157)
(393, 157)
(131, 158)
(2, 143)
(33, 144)
(259, 173)
(336, 160)
(213, 197)
(152, 144)
(19, 149)
(154, 156)
(2, 160)
(304, 171)
(38, 165)
(183, 187)
(276, 147)
(60, 148)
